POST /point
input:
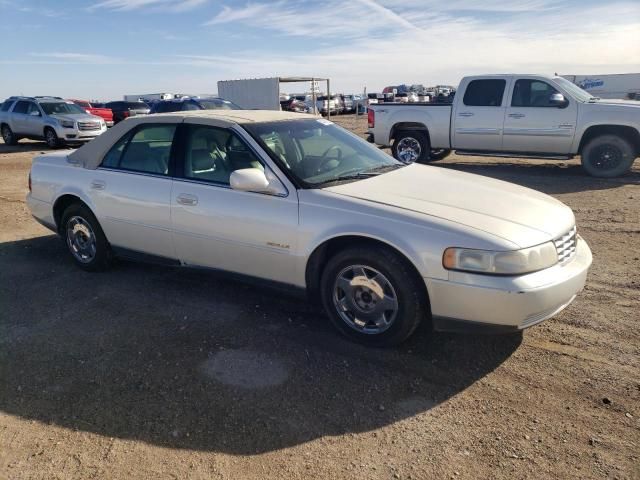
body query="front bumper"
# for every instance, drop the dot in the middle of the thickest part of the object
(74, 135)
(471, 302)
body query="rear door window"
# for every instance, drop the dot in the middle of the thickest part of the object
(484, 93)
(146, 150)
(21, 107)
(6, 105)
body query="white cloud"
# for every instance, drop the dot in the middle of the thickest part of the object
(73, 57)
(126, 5)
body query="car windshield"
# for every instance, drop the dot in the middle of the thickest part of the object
(575, 91)
(319, 153)
(61, 108)
(218, 104)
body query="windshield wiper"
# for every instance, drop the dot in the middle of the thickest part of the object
(355, 176)
(385, 168)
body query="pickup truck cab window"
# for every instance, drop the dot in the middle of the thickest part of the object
(212, 154)
(147, 150)
(484, 93)
(532, 93)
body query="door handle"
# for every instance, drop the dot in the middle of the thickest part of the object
(98, 184)
(186, 199)
(465, 114)
(516, 115)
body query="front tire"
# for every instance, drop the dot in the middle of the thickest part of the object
(373, 296)
(85, 239)
(7, 135)
(51, 138)
(411, 146)
(608, 156)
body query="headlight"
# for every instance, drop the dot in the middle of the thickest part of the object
(67, 123)
(514, 262)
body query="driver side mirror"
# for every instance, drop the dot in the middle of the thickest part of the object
(558, 100)
(255, 180)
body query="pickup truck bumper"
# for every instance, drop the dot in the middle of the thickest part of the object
(481, 303)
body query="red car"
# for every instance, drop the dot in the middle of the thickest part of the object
(105, 113)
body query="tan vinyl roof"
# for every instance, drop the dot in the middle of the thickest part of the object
(91, 155)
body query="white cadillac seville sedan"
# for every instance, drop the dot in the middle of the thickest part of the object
(295, 199)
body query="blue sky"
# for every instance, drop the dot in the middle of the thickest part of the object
(102, 49)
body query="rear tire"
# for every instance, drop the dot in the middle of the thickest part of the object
(411, 146)
(439, 154)
(85, 239)
(51, 138)
(7, 136)
(373, 296)
(608, 156)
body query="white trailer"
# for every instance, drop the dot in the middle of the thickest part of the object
(262, 93)
(620, 86)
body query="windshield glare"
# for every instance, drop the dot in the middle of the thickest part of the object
(61, 108)
(317, 151)
(575, 91)
(218, 104)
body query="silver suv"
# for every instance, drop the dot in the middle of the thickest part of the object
(52, 119)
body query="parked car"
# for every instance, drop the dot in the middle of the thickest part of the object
(373, 98)
(383, 245)
(412, 97)
(296, 103)
(122, 109)
(402, 97)
(188, 103)
(105, 113)
(348, 103)
(523, 115)
(326, 105)
(51, 119)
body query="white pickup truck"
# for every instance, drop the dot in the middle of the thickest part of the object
(529, 116)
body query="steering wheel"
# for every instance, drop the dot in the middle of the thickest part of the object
(325, 159)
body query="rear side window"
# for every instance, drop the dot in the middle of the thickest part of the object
(147, 150)
(21, 107)
(484, 93)
(532, 93)
(6, 105)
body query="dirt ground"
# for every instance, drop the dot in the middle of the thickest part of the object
(154, 372)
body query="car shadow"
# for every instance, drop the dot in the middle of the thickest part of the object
(551, 177)
(192, 359)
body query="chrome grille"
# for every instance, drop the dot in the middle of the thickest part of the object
(566, 245)
(84, 126)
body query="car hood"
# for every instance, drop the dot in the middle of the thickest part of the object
(519, 215)
(77, 117)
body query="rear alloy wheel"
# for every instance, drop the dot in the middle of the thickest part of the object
(607, 156)
(7, 135)
(411, 146)
(51, 138)
(85, 239)
(372, 295)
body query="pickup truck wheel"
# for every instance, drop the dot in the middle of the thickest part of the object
(411, 147)
(85, 239)
(51, 138)
(607, 156)
(439, 154)
(8, 136)
(372, 296)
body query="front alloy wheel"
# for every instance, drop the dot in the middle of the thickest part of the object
(373, 295)
(51, 138)
(365, 299)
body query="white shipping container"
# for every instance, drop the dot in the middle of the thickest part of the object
(252, 93)
(620, 86)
